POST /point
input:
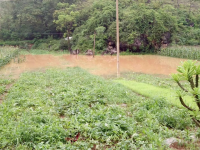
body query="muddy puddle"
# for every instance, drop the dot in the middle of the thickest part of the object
(99, 65)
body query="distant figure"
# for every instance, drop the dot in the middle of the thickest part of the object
(89, 52)
(75, 52)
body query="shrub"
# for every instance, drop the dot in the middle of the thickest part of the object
(63, 44)
(46, 44)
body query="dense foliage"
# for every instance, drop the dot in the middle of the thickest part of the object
(28, 19)
(144, 24)
(140, 26)
(48, 110)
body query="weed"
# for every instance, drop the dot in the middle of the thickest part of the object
(38, 51)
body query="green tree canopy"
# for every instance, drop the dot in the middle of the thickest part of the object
(65, 19)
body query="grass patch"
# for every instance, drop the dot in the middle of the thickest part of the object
(44, 110)
(40, 52)
(156, 80)
(156, 92)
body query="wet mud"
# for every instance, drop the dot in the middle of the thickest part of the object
(99, 65)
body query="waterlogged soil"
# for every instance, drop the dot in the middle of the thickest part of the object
(99, 65)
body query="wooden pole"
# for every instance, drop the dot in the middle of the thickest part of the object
(117, 25)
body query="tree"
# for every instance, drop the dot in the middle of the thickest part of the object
(98, 15)
(98, 33)
(65, 19)
(26, 20)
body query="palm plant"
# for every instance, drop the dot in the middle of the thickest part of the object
(189, 72)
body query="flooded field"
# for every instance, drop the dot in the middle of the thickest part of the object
(99, 65)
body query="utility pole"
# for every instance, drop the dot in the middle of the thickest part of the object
(117, 25)
(94, 44)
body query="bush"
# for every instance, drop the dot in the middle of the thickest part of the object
(63, 44)
(46, 44)
(43, 46)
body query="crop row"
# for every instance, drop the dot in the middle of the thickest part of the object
(71, 109)
(182, 52)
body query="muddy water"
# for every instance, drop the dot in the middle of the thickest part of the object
(99, 65)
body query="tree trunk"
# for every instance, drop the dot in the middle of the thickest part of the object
(68, 41)
(94, 44)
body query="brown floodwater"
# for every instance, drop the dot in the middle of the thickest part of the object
(99, 65)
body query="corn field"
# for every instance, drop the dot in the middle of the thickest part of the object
(187, 52)
(7, 54)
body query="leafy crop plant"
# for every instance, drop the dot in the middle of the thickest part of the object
(187, 79)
